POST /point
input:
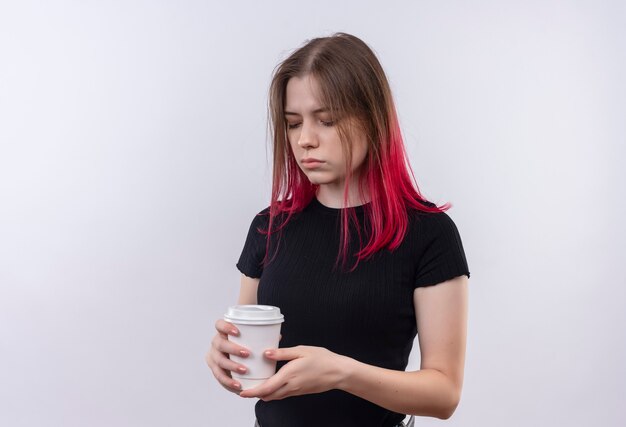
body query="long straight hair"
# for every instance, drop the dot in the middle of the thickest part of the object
(352, 85)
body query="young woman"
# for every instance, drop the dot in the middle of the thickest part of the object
(356, 259)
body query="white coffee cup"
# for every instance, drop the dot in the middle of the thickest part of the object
(259, 330)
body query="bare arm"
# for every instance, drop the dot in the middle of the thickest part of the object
(247, 292)
(434, 390)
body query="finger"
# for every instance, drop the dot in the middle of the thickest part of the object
(229, 365)
(268, 387)
(226, 328)
(225, 380)
(226, 346)
(288, 353)
(208, 357)
(281, 393)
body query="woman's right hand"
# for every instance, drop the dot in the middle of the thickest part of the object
(218, 356)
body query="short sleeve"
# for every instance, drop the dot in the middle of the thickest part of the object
(251, 259)
(441, 255)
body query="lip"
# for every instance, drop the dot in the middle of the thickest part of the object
(311, 163)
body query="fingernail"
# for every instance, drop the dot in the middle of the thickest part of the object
(234, 332)
(269, 353)
(242, 369)
(244, 353)
(237, 386)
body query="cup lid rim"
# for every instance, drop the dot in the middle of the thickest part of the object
(254, 313)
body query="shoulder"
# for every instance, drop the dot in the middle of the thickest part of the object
(433, 225)
(439, 249)
(436, 219)
(419, 215)
(263, 213)
(260, 220)
(263, 218)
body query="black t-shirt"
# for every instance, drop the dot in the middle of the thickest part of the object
(367, 314)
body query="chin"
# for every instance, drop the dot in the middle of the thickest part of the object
(319, 181)
(321, 178)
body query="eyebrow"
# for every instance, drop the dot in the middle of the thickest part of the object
(319, 110)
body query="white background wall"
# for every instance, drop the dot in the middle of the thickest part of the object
(133, 158)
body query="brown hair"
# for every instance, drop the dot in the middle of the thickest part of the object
(352, 86)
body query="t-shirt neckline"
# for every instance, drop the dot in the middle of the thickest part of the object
(318, 206)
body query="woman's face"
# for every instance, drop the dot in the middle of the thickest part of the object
(314, 139)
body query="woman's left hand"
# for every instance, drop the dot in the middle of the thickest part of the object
(310, 370)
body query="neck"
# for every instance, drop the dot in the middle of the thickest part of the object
(332, 197)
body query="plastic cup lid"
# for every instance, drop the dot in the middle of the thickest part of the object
(254, 315)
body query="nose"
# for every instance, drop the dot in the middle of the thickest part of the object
(307, 137)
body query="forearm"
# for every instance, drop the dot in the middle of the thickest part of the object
(427, 392)
(248, 290)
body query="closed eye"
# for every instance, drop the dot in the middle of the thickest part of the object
(326, 123)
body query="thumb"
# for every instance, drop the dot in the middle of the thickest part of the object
(287, 353)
